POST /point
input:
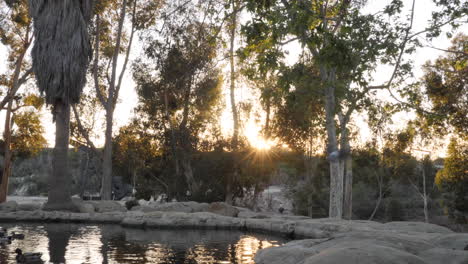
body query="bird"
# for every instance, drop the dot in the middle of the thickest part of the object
(17, 236)
(3, 231)
(5, 239)
(28, 258)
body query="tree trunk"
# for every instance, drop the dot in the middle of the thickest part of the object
(188, 173)
(235, 116)
(336, 177)
(84, 165)
(60, 180)
(426, 213)
(7, 163)
(379, 200)
(16, 83)
(106, 187)
(348, 178)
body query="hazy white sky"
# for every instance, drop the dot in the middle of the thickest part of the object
(128, 98)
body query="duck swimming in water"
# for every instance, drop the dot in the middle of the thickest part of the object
(3, 232)
(5, 239)
(17, 236)
(28, 258)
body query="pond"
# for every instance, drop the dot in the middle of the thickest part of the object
(76, 243)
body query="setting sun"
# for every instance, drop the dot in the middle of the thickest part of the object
(255, 137)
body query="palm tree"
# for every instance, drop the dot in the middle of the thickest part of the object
(61, 55)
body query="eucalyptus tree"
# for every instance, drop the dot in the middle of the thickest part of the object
(113, 38)
(179, 82)
(444, 87)
(235, 9)
(60, 57)
(345, 46)
(15, 34)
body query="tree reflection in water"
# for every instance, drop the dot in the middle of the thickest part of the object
(72, 243)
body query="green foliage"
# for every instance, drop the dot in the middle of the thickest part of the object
(453, 178)
(27, 136)
(446, 88)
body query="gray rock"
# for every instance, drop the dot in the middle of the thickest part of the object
(29, 206)
(458, 241)
(108, 206)
(9, 206)
(83, 206)
(354, 253)
(181, 207)
(446, 256)
(223, 209)
(108, 217)
(416, 227)
(86, 208)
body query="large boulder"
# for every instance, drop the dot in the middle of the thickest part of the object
(108, 206)
(355, 253)
(454, 241)
(407, 226)
(223, 209)
(380, 244)
(10, 206)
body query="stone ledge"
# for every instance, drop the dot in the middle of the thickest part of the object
(328, 240)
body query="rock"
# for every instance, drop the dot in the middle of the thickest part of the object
(30, 216)
(223, 209)
(83, 206)
(108, 206)
(86, 208)
(107, 218)
(251, 214)
(456, 241)
(29, 206)
(181, 207)
(10, 206)
(446, 256)
(416, 227)
(80, 217)
(197, 207)
(173, 207)
(353, 253)
(271, 226)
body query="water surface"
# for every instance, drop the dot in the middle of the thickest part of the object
(91, 244)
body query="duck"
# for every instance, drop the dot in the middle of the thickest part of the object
(28, 258)
(3, 231)
(5, 239)
(17, 236)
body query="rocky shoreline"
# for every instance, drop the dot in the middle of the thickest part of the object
(323, 240)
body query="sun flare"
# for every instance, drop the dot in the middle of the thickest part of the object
(256, 139)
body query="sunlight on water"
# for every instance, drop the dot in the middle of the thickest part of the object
(109, 244)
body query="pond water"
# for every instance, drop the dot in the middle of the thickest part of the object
(75, 243)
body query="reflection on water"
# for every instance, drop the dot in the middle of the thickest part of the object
(77, 244)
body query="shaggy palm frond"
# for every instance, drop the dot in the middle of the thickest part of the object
(62, 49)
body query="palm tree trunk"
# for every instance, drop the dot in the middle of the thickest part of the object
(60, 180)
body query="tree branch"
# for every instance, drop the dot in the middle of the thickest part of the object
(83, 131)
(96, 62)
(127, 55)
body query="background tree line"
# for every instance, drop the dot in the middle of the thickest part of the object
(190, 52)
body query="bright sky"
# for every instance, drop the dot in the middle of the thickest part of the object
(128, 98)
